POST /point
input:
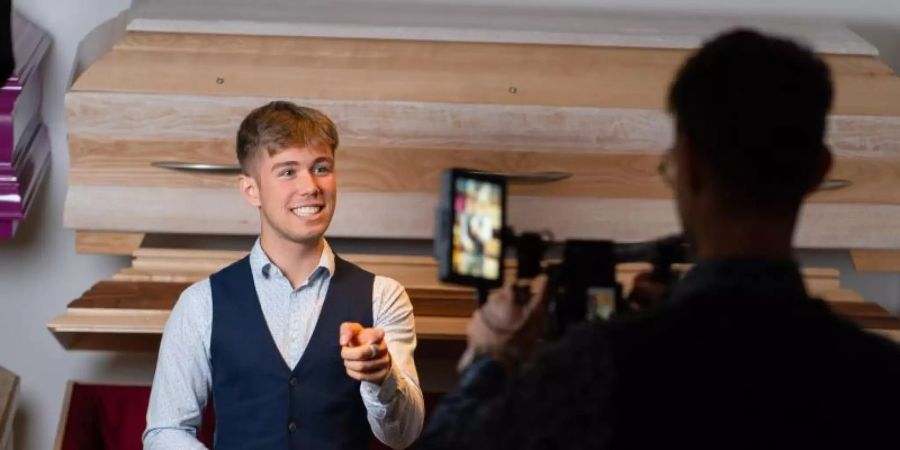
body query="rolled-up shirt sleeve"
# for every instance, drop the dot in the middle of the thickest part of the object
(396, 408)
(181, 384)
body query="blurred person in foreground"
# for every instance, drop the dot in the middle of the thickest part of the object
(738, 355)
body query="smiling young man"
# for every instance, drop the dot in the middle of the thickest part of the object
(298, 347)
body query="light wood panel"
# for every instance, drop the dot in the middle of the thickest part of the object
(838, 295)
(370, 123)
(384, 169)
(101, 321)
(390, 169)
(107, 243)
(383, 123)
(410, 216)
(127, 163)
(876, 260)
(596, 112)
(360, 69)
(866, 148)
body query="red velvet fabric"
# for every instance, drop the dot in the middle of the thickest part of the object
(102, 417)
(113, 417)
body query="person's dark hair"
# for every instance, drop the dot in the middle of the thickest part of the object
(753, 108)
(278, 125)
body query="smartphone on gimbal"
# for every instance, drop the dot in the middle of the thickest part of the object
(469, 230)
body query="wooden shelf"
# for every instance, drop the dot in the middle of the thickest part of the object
(876, 260)
(107, 243)
(129, 312)
(130, 315)
(140, 330)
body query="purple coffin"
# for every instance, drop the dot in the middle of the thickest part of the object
(24, 146)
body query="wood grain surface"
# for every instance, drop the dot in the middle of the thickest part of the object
(411, 216)
(876, 260)
(371, 69)
(107, 242)
(407, 109)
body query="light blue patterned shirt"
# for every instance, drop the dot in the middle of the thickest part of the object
(183, 379)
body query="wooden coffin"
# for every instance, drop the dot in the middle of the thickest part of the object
(24, 146)
(9, 398)
(152, 125)
(573, 109)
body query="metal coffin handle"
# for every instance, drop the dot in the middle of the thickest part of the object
(520, 178)
(198, 167)
(834, 184)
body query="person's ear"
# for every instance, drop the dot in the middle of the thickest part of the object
(249, 189)
(823, 167)
(690, 167)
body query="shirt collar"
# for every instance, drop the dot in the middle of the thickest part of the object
(742, 278)
(261, 264)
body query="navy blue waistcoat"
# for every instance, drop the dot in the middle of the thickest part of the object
(260, 402)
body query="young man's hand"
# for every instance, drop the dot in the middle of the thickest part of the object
(364, 352)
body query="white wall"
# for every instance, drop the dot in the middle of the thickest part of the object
(877, 21)
(40, 272)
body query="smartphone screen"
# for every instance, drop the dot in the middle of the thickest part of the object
(478, 221)
(474, 250)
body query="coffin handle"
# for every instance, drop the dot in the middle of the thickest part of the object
(834, 184)
(198, 167)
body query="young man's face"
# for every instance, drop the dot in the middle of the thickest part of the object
(295, 191)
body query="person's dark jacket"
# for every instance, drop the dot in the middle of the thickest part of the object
(739, 357)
